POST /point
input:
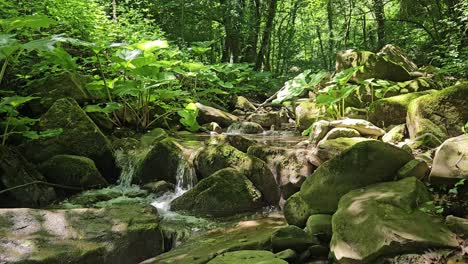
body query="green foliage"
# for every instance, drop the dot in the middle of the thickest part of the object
(298, 85)
(448, 200)
(189, 117)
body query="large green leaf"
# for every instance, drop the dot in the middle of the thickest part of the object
(32, 22)
(8, 45)
(189, 117)
(296, 87)
(152, 45)
(16, 101)
(106, 108)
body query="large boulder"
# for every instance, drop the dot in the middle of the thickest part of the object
(451, 162)
(396, 55)
(125, 234)
(216, 157)
(364, 127)
(435, 117)
(306, 114)
(80, 137)
(165, 161)
(393, 221)
(248, 257)
(363, 164)
(75, 171)
(392, 110)
(245, 128)
(375, 66)
(225, 193)
(291, 237)
(290, 167)
(320, 225)
(16, 171)
(208, 114)
(328, 149)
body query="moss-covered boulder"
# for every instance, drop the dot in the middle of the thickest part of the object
(414, 168)
(227, 192)
(159, 187)
(106, 197)
(306, 114)
(363, 164)
(248, 257)
(341, 132)
(291, 237)
(393, 221)
(458, 225)
(70, 170)
(125, 234)
(15, 171)
(208, 114)
(435, 117)
(165, 161)
(239, 142)
(216, 157)
(392, 110)
(268, 119)
(396, 55)
(450, 162)
(290, 167)
(327, 149)
(251, 234)
(55, 87)
(320, 226)
(375, 66)
(80, 137)
(245, 128)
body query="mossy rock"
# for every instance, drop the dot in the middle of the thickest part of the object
(15, 170)
(106, 197)
(291, 237)
(159, 187)
(208, 114)
(328, 149)
(165, 161)
(126, 234)
(244, 104)
(80, 137)
(392, 110)
(363, 164)
(216, 157)
(225, 193)
(458, 225)
(435, 117)
(341, 132)
(70, 170)
(396, 55)
(245, 128)
(396, 134)
(253, 233)
(247, 257)
(320, 225)
(269, 119)
(451, 162)
(393, 221)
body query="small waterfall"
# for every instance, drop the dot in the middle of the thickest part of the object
(127, 161)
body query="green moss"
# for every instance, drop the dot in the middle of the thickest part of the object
(248, 257)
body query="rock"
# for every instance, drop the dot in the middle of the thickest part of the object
(153, 136)
(458, 225)
(291, 237)
(435, 117)
(56, 87)
(106, 197)
(414, 168)
(252, 234)
(320, 225)
(208, 114)
(364, 127)
(290, 167)
(319, 130)
(15, 170)
(419, 84)
(363, 164)
(328, 149)
(213, 127)
(392, 110)
(341, 132)
(316, 254)
(396, 134)
(239, 142)
(102, 120)
(375, 66)
(125, 144)
(389, 212)
(127, 234)
(289, 255)
(225, 193)
(245, 128)
(75, 171)
(269, 119)
(216, 157)
(165, 161)
(80, 137)
(306, 114)
(248, 257)
(396, 55)
(450, 162)
(244, 104)
(159, 187)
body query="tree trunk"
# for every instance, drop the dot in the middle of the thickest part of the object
(252, 42)
(380, 18)
(331, 37)
(322, 50)
(266, 35)
(114, 10)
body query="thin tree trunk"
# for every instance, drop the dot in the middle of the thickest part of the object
(380, 18)
(322, 50)
(266, 35)
(114, 10)
(331, 37)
